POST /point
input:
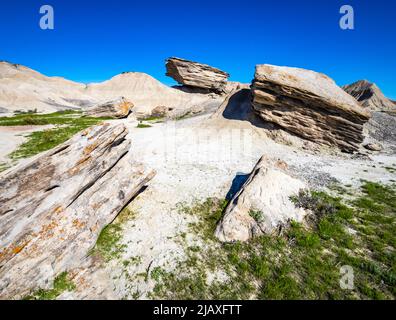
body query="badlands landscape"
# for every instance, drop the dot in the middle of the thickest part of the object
(210, 189)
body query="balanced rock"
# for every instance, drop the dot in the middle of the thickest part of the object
(119, 108)
(198, 75)
(370, 96)
(262, 205)
(54, 207)
(310, 105)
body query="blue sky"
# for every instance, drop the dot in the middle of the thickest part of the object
(95, 40)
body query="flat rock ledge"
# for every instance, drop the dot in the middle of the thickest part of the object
(196, 75)
(263, 204)
(53, 208)
(310, 105)
(118, 108)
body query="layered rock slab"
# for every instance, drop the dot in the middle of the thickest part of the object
(196, 75)
(263, 204)
(53, 208)
(118, 108)
(310, 105)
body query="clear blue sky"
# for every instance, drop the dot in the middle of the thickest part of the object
(95, 40)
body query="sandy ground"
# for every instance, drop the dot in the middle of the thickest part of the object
(11, 137)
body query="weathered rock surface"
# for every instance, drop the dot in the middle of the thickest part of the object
(53, 208)
(370, 96)
(310, 105)
(373, 146)
(198, 75)
(119, 108)
(262, 205)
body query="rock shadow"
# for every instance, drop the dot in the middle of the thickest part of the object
(237, 184)
(240, 108)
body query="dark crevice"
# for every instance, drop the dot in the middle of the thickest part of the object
(89, 185)
(60, 150)
(117, 142)
(52, 188)
(7, 211)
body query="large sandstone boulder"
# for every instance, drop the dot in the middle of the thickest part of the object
(54, 207)
(263, 204)
(198, 75)
(119, 108)
(310, 105)
(370, 96)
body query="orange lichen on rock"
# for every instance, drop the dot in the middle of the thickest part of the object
(78, 224)
(47, 230)
(125, 106)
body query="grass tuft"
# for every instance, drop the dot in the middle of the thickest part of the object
(61, 284)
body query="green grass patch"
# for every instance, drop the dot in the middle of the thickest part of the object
(152, 119)
(209, 212)
(303, 263)
(143, 125)
(109, 245)
(55, 118)
(61, 284)
(67, 124)
(4, 166)
(256, 215)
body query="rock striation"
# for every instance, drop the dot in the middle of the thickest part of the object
(310, 105)
(370, 96)
(119, 108)
(196, 75)
(53, 208)
(263, 204)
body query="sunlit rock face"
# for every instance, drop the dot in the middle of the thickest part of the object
(310, 105)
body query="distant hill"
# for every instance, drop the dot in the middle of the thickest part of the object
(370, 96)
(22, 88)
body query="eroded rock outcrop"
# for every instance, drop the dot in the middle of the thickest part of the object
(197, 75)
(53, 208)
(310, 105)
(262, 205)
(119, 108)
(370, 96)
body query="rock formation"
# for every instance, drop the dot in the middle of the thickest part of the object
(308, 104)
(262, 205)
(119, 108)
(198, 75)
(50, 94)
(373, 146)
(54, 207)
(370, 96)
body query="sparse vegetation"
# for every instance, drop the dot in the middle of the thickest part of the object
(67, 123)
(61, 284)
(31, 111)
(256, 215)
(143, 125)
(209, 213)
(303, 263)
(154, 119)
(109, 245)
(3, 166)
(32, 118)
